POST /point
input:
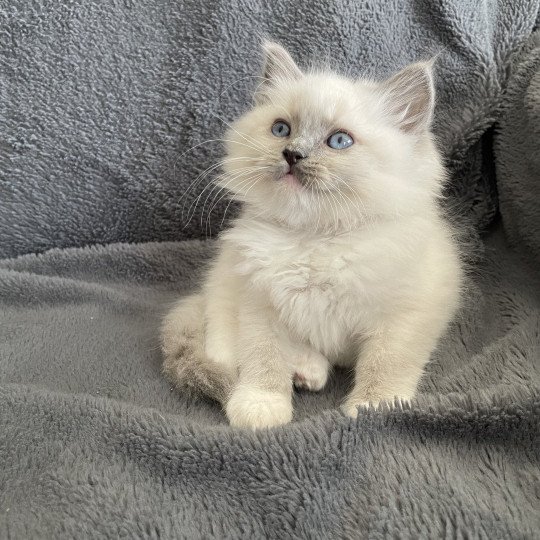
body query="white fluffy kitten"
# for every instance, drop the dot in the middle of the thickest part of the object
(340, 257)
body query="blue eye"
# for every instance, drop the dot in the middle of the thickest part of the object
(339, 140)
(281, 129)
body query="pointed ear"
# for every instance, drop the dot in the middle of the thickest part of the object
(279, 67)
(410, 97)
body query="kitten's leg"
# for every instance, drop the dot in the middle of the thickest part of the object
(263, 395)
(221, 292)
(185, 362)
(392, 360)
(309, 367)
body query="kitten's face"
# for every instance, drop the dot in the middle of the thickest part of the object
(323, 151)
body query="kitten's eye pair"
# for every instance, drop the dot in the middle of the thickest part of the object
(338, 140)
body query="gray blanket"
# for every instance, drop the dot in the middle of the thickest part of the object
(98, 102)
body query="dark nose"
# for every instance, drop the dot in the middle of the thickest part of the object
(292, 157)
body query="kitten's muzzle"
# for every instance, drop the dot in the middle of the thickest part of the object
(292, 156)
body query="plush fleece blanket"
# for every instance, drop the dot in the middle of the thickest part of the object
(99, 103)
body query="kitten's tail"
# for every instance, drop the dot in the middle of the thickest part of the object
(186, 364)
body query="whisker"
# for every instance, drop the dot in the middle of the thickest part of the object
(336, 208)
(227, 88)
(346, 214)
(248, 181)
(207, 142)
(207, 171)
(362, 213)
(240, 185)
(193, 205)
(239, 174)
(243, 135)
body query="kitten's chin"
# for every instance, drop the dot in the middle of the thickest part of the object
(291, 180)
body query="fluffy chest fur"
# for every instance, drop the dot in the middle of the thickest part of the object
(327, 290)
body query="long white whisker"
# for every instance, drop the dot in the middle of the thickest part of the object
(252, 175)
(362, 212)
(328, 194)
(212, 186)
(242, 183)
(345, 208)
(211, 141)
(207, 171)
(223, 189)
(239, 174)
(243, 135)
(228, 87)
(346, 216)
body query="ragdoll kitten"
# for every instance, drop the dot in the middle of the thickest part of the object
(341, 255)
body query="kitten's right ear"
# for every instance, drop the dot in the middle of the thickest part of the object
(279, 67)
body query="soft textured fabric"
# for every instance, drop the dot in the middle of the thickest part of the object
(93, 440)
(517, 152)
(100, 102)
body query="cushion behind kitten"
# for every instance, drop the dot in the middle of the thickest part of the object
(341, 255)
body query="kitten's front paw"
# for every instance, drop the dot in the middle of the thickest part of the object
(311, 371)
(256, 409)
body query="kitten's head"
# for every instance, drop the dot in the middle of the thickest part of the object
(321, 150)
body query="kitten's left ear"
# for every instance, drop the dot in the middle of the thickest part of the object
(279, 67)
(410, 97)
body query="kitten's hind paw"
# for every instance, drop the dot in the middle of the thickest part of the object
(311, 371)
(352, 407)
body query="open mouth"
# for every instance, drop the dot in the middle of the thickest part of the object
(292, 178)
(300, 181)
(295, 177)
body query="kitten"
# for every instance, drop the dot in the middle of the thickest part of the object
(341, 255)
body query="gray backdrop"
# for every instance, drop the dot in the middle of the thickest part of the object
(98, 101)
(101, 100)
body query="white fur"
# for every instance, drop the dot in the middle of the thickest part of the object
(355, 265)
